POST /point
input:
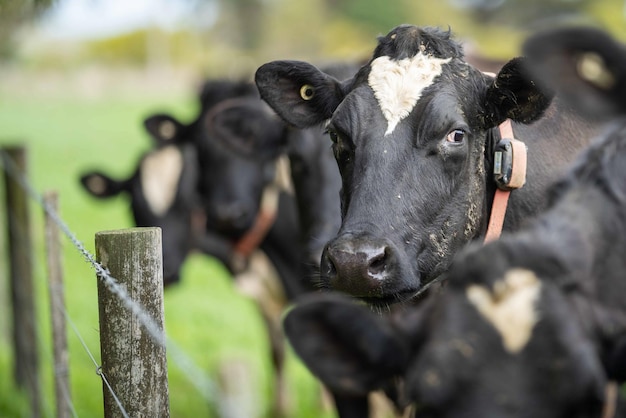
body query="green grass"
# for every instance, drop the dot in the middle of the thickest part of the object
(205, 317)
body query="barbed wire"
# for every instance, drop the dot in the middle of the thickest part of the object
(202, 384)
(68, 319)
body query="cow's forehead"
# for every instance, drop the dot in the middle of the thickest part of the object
(399, 84)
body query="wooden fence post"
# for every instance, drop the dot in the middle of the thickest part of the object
(25, 342)
(57, 311)
(133, 363)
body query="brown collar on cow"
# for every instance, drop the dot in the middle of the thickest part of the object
(510, 167)
(267, 212)
(262, 224)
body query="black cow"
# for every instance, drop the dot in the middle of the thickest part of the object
(532, 325)
(247, 195)
(241, 183)
(414, 134)
(163, 193)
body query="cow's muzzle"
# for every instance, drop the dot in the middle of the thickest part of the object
(360, 265)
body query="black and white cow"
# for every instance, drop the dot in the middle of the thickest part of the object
(173, 188)
(163, 193)
(531, 325)
(414, 133)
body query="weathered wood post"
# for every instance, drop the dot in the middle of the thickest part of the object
(25, 343)
(133, 362)
(57, 310)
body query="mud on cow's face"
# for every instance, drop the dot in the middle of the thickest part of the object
(409, 135)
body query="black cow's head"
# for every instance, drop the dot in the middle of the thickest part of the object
(162, 192)
(517, 346)
(238, 139)
(584, 65)
(410, 134)
(506, 345)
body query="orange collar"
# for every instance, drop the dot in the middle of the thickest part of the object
(263, 223)
(516, 180)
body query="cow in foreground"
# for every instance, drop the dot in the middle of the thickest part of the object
(414, 133)
(532, 325)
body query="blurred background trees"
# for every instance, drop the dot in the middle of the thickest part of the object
(233, 37)
(15, 13)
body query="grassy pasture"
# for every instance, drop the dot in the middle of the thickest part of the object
(65, 135)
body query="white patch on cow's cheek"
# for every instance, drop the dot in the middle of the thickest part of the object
(398, 85)
(510, 307)
(160, 173)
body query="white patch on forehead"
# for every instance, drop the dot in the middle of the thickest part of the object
(398, 85)
(160, 173)
(510, 306)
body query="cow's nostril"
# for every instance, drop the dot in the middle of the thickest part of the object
(378, 262)
(327, 265)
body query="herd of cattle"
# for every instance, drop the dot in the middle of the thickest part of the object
(376, 235)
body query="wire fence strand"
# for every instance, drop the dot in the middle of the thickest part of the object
(205, 386)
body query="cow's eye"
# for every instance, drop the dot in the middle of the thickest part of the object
(456, 137)
(333, 136)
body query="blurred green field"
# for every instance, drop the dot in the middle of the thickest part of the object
(66, 135)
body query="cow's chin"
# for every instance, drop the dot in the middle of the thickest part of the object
(409, 288)
(387, 301)
(394, 291)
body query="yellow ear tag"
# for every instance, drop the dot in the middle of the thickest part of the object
(307, 92)
(591, 67)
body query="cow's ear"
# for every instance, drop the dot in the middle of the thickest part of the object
(514, 95)
(101, 186)
(349, 348)
(586, 65)
(300, 93)
(163, 128)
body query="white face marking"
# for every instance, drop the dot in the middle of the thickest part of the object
(398, 85)
(160, 172)
(510, 307)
